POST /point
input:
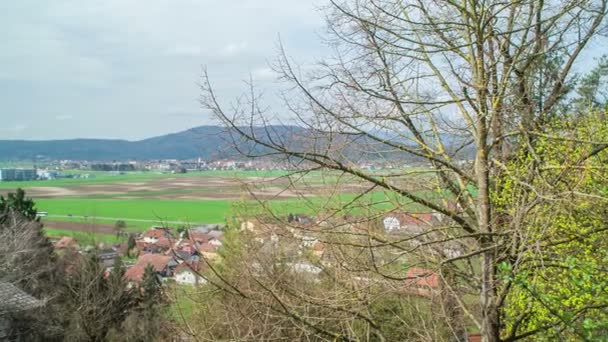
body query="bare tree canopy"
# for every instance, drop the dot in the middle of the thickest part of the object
(482, 92)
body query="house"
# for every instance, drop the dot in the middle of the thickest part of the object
(396, 222)
(17, 174)
(249, 226)
(13, 300)
(203, 236)
(474, 337)
(208, 251)
(188, 274)
(421, 281)
(185, 251)
(163, 265)
(318, 249)
(155, 240)
(198, 236)
(419, 227)
(422, 277)
(66, 242)
(299, 218)
(185, 245)
(305, 267)
(216, 241)
(108, 256)
(155, 233)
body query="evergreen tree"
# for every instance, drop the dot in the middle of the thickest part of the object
(16, 201)
(130, 244)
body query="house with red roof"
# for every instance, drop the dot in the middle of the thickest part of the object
(154, 234)
(155, 240)
(396, 222)
(66, 242)
(208, 251)
(421, 282)
(189, 274)
(163, 265)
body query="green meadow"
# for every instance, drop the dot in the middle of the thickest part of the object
(143, 213)
(141, 209)
(195, 211)
(84, 238)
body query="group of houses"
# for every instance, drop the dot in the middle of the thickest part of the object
(310, 238)
(183, 257)
(179, 257)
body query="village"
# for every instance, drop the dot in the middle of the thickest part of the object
(174, 256)
(184, 257)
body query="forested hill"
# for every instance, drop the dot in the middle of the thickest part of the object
(207, 142)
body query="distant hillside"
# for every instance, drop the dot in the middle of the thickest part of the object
(207, 142)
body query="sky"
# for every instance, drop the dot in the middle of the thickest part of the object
(129, 69)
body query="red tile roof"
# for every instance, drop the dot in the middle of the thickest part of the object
(163, 242)
(135, 273)
(140, 245)
(156, 233)
(207, 247)
(199, 236)
(195, 266)
(474, 337)
(422, 277)
(157, 261)
(406, 219)
(65, 242)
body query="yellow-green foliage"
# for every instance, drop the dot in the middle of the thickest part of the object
(559, 286)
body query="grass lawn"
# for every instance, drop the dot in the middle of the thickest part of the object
(132, 226)
(83, 238)
(105, 177)
(100, 178)
(183, 301)
(143, 213)
(212, 211)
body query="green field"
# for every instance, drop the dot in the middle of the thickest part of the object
(84, 238)
(145, 213)
(77, 213)
(102, 177)
(209, 211)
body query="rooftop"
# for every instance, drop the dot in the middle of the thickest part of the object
(12, 299)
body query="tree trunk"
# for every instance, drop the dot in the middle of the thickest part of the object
(490, 325)
(490, 320)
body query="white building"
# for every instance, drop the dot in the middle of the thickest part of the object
(20, 174)
(186, 276)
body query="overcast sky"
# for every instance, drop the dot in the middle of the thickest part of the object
(128, 68)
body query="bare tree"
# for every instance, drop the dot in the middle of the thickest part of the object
(432, 81)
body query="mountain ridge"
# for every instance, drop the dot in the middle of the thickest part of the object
(202, 141)
(206, 142)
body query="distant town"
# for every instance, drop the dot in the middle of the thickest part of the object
(49, 170)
